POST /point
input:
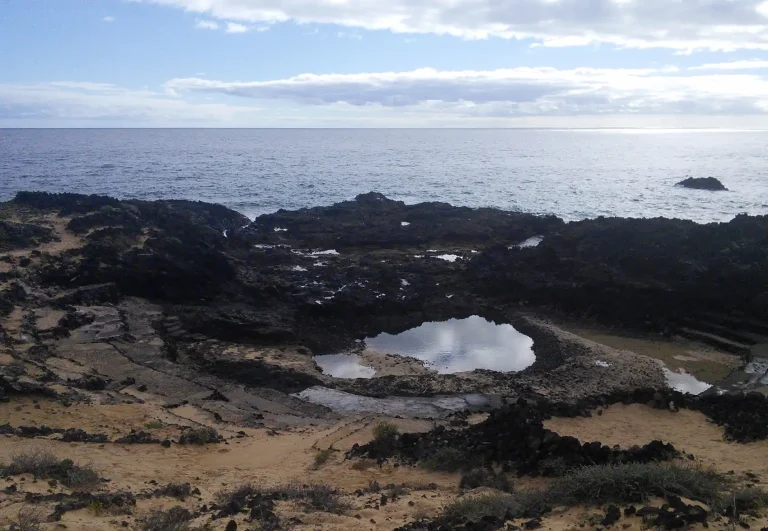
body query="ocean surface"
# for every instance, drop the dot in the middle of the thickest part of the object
(574, 174)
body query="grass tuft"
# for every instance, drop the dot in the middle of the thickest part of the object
(322, 457)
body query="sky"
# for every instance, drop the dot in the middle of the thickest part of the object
(384, 63)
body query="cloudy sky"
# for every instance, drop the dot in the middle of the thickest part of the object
(384, 63)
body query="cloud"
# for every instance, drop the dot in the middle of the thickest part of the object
(683, 25)
(747, 64)
(108, 19)
(98, 103)
(523, 91)
(233, 27)
(207, 24)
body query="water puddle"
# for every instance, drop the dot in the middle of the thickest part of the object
(460, 345)
(344, 366)
(685, 382)
(530, 242)
(436, 406)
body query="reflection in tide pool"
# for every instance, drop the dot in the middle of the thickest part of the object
(344, 366)
(685, 383)
(460, 345)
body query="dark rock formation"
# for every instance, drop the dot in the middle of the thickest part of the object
(514, 437)
(703, 183)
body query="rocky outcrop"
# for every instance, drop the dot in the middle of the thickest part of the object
(703, 183)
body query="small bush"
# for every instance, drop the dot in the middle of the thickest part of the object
(45, 465)
(484, 477)
(312, 497)
(174, 519)
(322, 457)
(445, 460)
(200, 436)
(476, 508)
(385, 431)
(96, 508)
(28, 519)
(316, 497)
(748, 501)
(175, 490)
(154, 425)
(238, 495)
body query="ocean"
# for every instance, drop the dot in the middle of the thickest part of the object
(575, 174)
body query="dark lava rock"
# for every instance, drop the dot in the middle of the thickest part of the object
(231, 526)
(703, 183)
(514, 434)
(21, 235)
(612, 515)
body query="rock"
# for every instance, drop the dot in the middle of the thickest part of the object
(231, 526)
(612, 515)
(703, 183)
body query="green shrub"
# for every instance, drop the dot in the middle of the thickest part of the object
(154, 425)
(385, 431)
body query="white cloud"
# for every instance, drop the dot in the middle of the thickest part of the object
(522, 91)
(683, 25)
(746, 64)
(233, 27)
(102, 103)
(207, 24)
(108, 19)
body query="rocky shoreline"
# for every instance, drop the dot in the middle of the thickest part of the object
(211, 322)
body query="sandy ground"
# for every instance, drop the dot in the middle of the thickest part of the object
(688, 431)
(269, 457)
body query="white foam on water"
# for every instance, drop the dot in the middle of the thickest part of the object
(404, 282)
(278, 229)
(404, 223)
(298, 268)
(448, 257)
(322, 253)
(601, 363)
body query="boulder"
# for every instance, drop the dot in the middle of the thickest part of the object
(703, 183)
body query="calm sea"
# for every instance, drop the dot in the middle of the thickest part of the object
(575, 174)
